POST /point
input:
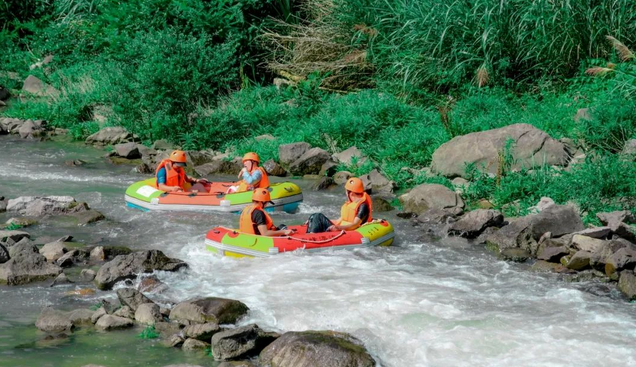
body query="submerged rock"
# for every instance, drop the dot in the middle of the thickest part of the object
(210, 309)
(241, 342)
(129, 266)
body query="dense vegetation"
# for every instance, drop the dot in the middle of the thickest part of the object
(395, 78)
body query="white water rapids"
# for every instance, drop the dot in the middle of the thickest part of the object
(413, 304)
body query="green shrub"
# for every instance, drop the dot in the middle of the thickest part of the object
(149, 333)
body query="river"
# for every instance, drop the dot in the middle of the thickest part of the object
(412, 304)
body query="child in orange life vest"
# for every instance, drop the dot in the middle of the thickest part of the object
(354, 212)
(254, 220)
(171, 177)
(253, 176)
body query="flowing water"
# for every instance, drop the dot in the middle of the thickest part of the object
(413, 304)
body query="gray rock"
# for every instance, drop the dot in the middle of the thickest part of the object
(98, 314)
(341, 177)
(201, 331)
(144, 169)
(129, 266)
(514, 254)
(553, 254)
(532, 147)
(377, 183)
(132, 298)
(167, 329)
(87, 217)
(4, 254)
(32, 129)
(289, 153)
(162, 145)
(197, 158)
(14, 236)
(98, 254)
(81, 316)
(37, 206)
(61, 279)
(557, 219)
(347, 157)
(125, 312)
(236, 364)
(112, 322)
(151, 284)
(310, 162)
(110, 136)
(148, 313)
(438, 216)
(26, 265)
(274, 169)
(629, 149)
(627, 284)
(193, 344)
(174, 341)
(316, 348)
(473, 223)
(210, 309)
(128, 150)
(595, 232)
(265, 137)
(38, 88)
(545, 266)
(53, 251)
(626, 231)
(589, 244)
(579, 261)
(381, 204)
(614, 219)
(323, 183)
(328, 168)
(430, 196)
(622, 259)
(53, 321)
(517, 234)
(242, 342)
(219, 166)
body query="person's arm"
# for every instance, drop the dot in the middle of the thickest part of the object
(161, 182)
(252, 179)
(344, 227)
(240, 175)
(262, 228)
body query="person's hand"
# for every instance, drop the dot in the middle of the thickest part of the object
(332, 228)
(203, 180)
(176, 189)
(287, 232)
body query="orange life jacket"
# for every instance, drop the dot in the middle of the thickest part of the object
(175, 176)
(349, 211)
(262, 184)
(246, 225)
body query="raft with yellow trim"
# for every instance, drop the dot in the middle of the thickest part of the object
(145, 196)
(229, 242)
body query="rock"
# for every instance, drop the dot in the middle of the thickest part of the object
(37, 206)
(4, 254)
(381, 204)
(143, 169)
(557, 219)
(546, 266)
(14, 236)
(110, 136)
(198, 158)
(219, 166)
(53, 251)
(201, 331)
(472, 224)
(430, 196)
(531, 147)
(323, 183)
(629, 149)
(553, 254)
(111, 322)
(582, 114)
(125, 312)
(347, 157)
(622, 259)
(595, 232)
(517, 234)
(162, 145)
(614, 219)
(514, 254)
(174, 341)
(129, 266)
(21, 222)
(586, 276)
(128, 150)
(68, 259)
(97, 254)
(579, 261)
(236, 364)
(316, 348)
(3, 205)
(148, 313)
(587, 243)
(339, 178)
(38, 88)
(627, 284)
(99, 313)
(87, 217)
(61, 279)
(75, 163)
(167, 328)
(193, 344)
(310, 162)
(543, 204)
(27, 265)
(377, 182)
(274, 169)
(289, 153)
(242, 342)
(53, 321)
(151, 284)
(328, 169)
(210, 309)
(438, 216)
(265, 137)
(131, 298)
(32, 129)
(626, 231)
(81, 316)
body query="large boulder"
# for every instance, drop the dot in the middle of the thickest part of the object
(132, 298)
(530, 147)
(110, 136)
(242, 342)
(53, 321)
(274, 169)
(128, 150)
(129, 266)
(472, 224)
(112, 322)
(27, 265)
(38, 88)
(289, 153)
(430, 196)
(310, 162)
(316, 349)
(209, 310)
(377, 183)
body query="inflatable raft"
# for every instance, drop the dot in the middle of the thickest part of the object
(229, 242)
(144, 195)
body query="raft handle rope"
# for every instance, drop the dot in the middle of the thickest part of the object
(316, 241)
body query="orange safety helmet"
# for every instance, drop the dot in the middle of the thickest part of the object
(355, 184)
(178, 156)
(251, 156)
(261, 195)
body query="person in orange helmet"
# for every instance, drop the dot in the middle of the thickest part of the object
(171, 177)
(253, 176)
(354, 212)
(254, 219)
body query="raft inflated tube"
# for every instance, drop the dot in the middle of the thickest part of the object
(230, 242)
(144, 195)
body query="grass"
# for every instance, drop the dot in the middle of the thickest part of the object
(149, 333)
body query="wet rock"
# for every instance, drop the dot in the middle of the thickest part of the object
(579, 261)
(132, 298)
(241, 342)
(32, 129)
(61, 279)
(167, 328)
(151, 284)
(328, 169)
(201, 331)
(514, 254)
(430, 196)
(587, 243)
(316, 348)
(4, 254)
(622, 259)
(289, 153)
(110, 136)
(53, 251)
(586, 276)
(98, 254)
(473, 223)
(339, 178)
(193, 344)
(26, 266)
(381, 204)
(38, 88)
(87, 217)
(553, 254)
(438, 216)
(70, 258)
(557, 219)
(627, 284)
(98, 314)
(482, 149)
(545, 266)
(125, 312)
(210, 309)
(112, 322)
(323, 183)
(148, 313)
(174, 341)
(3, 204)
(129, 266)
(38, 206)
(377, 183)
(144, 169)
(81, 316)
(274, 169)
(21, 222)
(53, 321)
(236, 364)
(13, 236)
(74, 163)
(310, 162)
